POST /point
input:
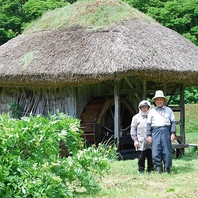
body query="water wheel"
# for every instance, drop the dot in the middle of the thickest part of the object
(97, 120)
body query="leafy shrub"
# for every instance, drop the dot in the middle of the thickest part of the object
(190, 95)
(30, 162)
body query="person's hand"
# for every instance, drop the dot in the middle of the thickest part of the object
(173, 137)
(149, 139)
(136, 144)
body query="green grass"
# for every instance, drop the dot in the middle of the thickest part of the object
(191, 123)
(191, 113)
(192, 138)
(92, 14)
(123, 179)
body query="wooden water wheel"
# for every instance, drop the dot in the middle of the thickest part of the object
(97, 120)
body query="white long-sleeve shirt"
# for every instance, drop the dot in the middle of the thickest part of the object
(160, 117)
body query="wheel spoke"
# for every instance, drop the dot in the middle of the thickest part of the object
(108, 129)
(112, 114)
(122, 115)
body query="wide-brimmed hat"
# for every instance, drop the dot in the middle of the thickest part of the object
(159, 94)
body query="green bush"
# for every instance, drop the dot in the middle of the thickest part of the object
(30, 162)
(190, 96)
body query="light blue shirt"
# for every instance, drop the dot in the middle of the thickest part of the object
(158, 117)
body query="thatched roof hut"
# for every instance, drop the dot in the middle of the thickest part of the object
(78, 65)
(77, 55)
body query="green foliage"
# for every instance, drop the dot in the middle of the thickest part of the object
(10, 19)
(15, 14)
(16, 110)
(34, 9)
(179, 15)
(30, 162)
(190, 95)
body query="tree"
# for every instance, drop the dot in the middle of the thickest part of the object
(35, 8)
(179, 15)
(11, 19)
(15, 14)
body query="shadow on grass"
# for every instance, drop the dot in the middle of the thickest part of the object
(187, 163)
(190, 153)
(182, 169)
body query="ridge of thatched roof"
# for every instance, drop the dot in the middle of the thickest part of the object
(90, 14)
(77, 56)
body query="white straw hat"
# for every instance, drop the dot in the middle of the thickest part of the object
(159, 94)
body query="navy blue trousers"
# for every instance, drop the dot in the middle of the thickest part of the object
(161, 146)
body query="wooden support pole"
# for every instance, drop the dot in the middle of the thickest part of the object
(182, 114)
(144, 90)
(165, 89)
(117, 112)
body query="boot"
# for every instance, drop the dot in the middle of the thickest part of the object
(167, 170)
(159, 169)
(149, 169)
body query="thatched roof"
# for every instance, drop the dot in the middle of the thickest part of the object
(79, 55)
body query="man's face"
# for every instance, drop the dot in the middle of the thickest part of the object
(159, 102)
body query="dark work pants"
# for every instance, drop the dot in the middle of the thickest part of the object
(143, 155)
(161, 147)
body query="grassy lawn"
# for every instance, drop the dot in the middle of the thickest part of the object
(192, 138)
(123, 179)
(191, 122)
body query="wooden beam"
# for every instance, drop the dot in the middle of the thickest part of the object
(144, 90)
(182, 114)
(117, 111)
(165, 88)
(132, 87)
(172, 94)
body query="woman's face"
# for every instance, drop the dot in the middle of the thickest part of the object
(144, 108)
(159, 102)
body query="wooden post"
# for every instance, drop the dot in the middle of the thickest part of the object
(165, 89)
(180, 151)
(144, 90)
(182, 114)
(117, 112)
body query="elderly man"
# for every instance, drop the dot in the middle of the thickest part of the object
(161, 130)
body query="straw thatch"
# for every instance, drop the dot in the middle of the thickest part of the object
(76, 56)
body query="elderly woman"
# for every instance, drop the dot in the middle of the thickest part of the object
(139, 136)
(161, 130)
